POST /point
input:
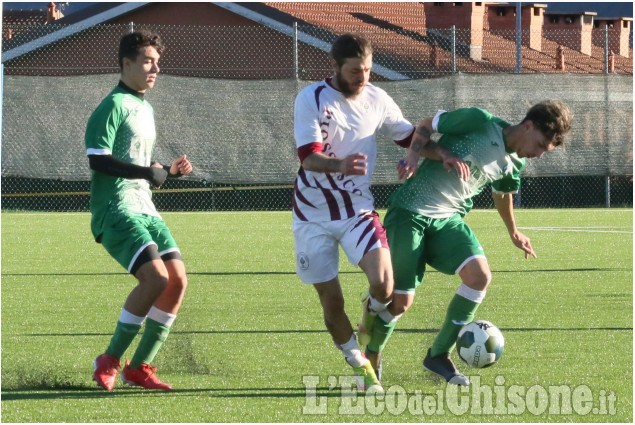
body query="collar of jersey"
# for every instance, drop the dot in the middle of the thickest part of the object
(133, 92)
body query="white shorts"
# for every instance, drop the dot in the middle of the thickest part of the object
(316, 244)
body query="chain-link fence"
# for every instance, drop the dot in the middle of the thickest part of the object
(301, 51)
(226, 99)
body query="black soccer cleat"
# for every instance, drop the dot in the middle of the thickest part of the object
(443, 366)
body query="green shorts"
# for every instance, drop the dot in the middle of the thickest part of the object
(446, 244)
(125, 237)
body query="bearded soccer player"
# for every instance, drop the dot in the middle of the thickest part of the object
(120, 138)
(424, 221)
(335, 124)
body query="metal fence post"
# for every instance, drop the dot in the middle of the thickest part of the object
(606, 49)
(519, 38)
(295, 50)
(607, 192)
(453, 49)
(131, 27)
(1, 98)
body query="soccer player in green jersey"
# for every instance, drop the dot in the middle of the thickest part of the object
(424, 222)
(120, 137)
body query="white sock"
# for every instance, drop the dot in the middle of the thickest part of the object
(376, 307)
(471, 294)
(126, 317)
(387, 316)
(353, 353)
(161, 316)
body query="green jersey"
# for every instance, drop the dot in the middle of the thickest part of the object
(476, 136)
(121, 126)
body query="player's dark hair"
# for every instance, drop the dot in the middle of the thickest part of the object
(350, 46)
(553, 118)
(131, 43)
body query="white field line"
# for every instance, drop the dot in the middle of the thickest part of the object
(592, 229)
(543, 210)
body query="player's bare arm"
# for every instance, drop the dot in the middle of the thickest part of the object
(355, 164)
(423, 146)
(420, 139)
(504, 203)
(433, 150)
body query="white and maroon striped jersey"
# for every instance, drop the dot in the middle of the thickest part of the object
(326, 121)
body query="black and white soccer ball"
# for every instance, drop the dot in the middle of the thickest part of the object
(480, 343)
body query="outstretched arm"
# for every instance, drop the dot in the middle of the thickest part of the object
(504, 203)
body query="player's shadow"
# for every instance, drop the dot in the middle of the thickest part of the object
(85, 392)
(322, 331)
(290, 273)
(242, 273)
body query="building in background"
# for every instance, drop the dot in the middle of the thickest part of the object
(411, 39)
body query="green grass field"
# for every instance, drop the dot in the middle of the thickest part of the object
(249, 331)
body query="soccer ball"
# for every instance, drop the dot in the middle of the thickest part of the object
(480, 343)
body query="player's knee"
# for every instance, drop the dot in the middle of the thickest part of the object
(476, 275)
(480, 280)
(400, 304)
(178, 283)
(382, 294)
(381, 288)
(398, 310)
(155, 283)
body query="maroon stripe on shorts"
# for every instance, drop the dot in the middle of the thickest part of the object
(368, 228)
(379, 234)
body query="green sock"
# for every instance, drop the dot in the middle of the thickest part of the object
(122, 338)
(381, 334)
(154, 335)
(462, 311)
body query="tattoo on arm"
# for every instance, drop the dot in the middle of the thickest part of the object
(422, 131)
(419, 143)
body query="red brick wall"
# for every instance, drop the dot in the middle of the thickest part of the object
(618, 35)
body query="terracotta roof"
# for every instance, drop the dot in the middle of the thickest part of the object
(400, 39)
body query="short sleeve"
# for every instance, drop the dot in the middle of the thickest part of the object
(508, 184)
(395, 126)
(102, 127)
(306, 123)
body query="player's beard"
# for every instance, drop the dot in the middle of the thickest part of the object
(347, 89)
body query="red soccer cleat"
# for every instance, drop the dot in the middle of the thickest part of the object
(143, 376)
(106, 370)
